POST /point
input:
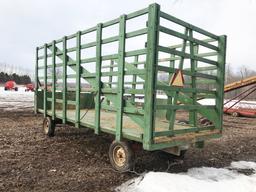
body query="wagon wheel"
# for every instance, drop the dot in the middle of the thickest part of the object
(48, 126)
(205, 121)
(235, 114)
(121, 156)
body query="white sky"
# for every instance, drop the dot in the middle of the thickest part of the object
(25, 24)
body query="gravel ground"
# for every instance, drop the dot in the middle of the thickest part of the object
(77, 160)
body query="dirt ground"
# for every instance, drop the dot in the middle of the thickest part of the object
(77, 160)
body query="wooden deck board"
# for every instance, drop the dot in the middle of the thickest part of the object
(108, 120)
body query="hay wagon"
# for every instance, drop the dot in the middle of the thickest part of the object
(146, 78)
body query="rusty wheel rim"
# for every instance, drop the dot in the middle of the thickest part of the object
(119, 156)
(235, 114)
(46, 126)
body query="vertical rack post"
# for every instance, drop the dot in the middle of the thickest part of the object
(134, 77)
(176, 93)
(98, 78)
(221, 78)
(78, 77)
(169, 99)
(193, 114)
(120, 87)
(45, 80)
(53, 78)
(36, 82)
(111, 69)
(151, 62)
(64, 81)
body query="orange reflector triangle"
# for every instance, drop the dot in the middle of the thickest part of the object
(177, 79)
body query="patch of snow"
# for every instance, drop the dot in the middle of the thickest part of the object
(196, 180)
(16, 100)
(207, 102)
(243, 165)
(241, 104)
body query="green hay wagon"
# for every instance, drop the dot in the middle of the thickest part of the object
(146, 78)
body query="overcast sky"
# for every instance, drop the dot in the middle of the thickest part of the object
(26, 24)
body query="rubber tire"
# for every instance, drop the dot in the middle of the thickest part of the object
(5, 88)
(204, 121)
(16, 88)
(129, 162)
(51, 126)
(235, 114)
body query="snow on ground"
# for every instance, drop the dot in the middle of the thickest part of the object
(240, 104)
(207, 101)
(16, 100)
(197, 180)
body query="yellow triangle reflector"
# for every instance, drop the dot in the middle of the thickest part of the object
(177, 79)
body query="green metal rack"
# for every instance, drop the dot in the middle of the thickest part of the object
(128, 93)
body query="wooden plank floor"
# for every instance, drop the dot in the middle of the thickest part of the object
(108, 121)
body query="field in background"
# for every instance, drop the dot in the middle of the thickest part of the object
(16, 100)
(77, 160)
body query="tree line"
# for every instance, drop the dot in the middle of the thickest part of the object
(242, 73)
(19, 79)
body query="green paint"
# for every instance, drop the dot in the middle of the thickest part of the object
(45, 79)
(78, 77)
(53, 79)
(36, 83)
(64, 81)
(120, 88)
(143, 73)
(151, 60)
(98, 78)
